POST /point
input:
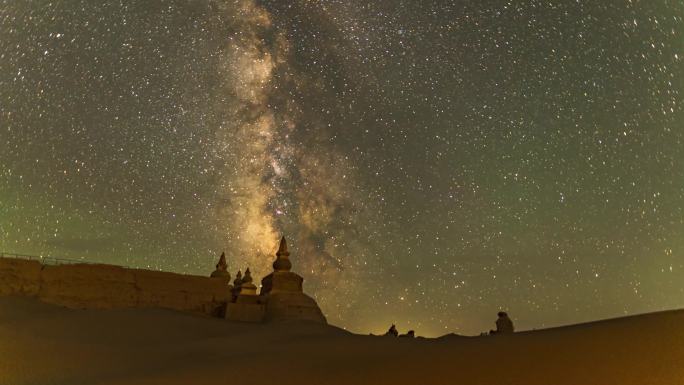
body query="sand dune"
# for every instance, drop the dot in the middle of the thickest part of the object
(46, 344)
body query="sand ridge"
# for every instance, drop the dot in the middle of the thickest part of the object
(48, 344)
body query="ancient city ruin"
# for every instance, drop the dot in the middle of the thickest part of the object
(101, 286)
(281, 296)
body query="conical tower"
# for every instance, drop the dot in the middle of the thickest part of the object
(238, 279)
(282, 262)
(282, 292)
(221, 269)
(237, 283)
(247, 287)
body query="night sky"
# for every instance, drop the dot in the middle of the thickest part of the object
(431, 162)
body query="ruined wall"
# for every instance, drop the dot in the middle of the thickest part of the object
(288, 305)
(245, 312)
(107, 286)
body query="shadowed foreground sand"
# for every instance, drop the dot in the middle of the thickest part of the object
(46, 344)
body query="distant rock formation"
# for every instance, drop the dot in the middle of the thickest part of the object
(409, 334)
(504, 325)
(392, 331)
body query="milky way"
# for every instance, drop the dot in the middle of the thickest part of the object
(431, 162)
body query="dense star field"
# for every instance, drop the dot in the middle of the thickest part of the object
(431, 162)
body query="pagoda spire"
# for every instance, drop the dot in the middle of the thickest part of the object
(282, 262)
(238, 279)
(247, 287)
(247, 278)
(222, 265)
(221, 269)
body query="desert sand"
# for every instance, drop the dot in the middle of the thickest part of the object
(46, 344)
